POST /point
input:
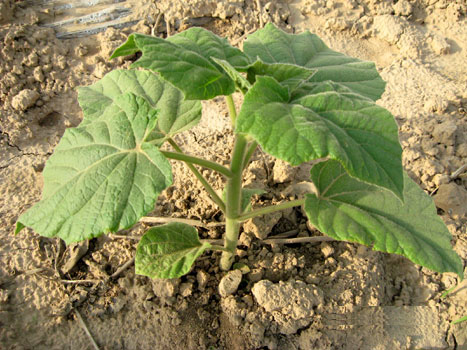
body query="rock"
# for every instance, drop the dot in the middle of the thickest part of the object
(164, 288)
(452, 198)
(445, 133)
(99, 70)
(436, 104)
(461, 150)
(81, 50)
(234, 310)
(143, 292)
(6, 11)
(97, 270)
(32, 60)
(25, 99)
(186, 289)
(460, 332)
(441, 179)
(290, 303)
(245, 239)
(38, 75)
(389, 28)
(229, 283)
(282, 172)
(4, 295)
(326, 249)
(76, 251)
(402, 8)
(261, 226)
(255, 275)
(202, 277)
(338, 24)
(439, 45)
(432, 167)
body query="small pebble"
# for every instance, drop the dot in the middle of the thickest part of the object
(230, 282)
(326, 249)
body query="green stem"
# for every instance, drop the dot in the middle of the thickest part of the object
(232, 110)
(271, 209)
(215, 197)
(233, 195)
(218, 247)
(199, 161)
(249, 153)
(232, 230)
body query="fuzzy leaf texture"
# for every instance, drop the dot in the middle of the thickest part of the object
(241, 83)
(272, 45)
(349, 210)
(185, 61)
(103, 176)
(174, 113)
(289, 75)
(340, 125)
(168, 251)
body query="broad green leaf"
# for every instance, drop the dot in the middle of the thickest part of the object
(185, 61)
(308, 88)
(241, 83)
(342, 126)
(272, 45)
(168, 251)
(289, 75)
(349, 210)
(103, 176)
(174, 113)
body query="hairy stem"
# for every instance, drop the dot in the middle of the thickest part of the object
(218, 248)
(233, 196)
(271, 209)
(199, 161)
(249, 153)
(215, 197)
(232, 110)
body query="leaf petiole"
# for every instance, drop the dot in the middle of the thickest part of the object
(215, 197)
(218, 248)
(249, 153)
(459, 320)
(271, 209)
(232, 110)
(199, 161)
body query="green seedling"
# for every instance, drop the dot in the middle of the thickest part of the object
(302, 102)
(460, 320)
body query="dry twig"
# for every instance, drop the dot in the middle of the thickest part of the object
(167, 23)
(236, 41)
(314, 239)
(86, 330)
(123, 268)
(459, 172)
(154, 27)
(260, 10)
(452, 177)
(136, 238)
(80, 281)
(161, 220)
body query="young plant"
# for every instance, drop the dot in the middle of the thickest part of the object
(302, 102)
